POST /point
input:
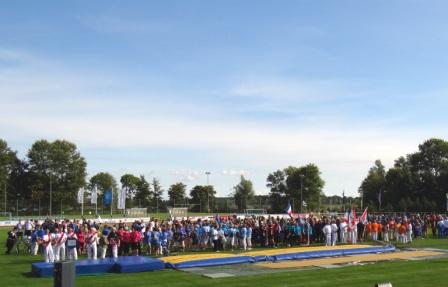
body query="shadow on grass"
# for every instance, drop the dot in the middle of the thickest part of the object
(28, 275)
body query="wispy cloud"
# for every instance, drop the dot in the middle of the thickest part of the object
(56, 102)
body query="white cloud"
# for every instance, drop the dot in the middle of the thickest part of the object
(232, 172)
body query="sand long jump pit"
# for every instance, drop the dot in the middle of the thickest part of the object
(320, 263)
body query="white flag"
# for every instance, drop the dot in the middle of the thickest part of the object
(94, 196)
(121, 202)
(81, 195)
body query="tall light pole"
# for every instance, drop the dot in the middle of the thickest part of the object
(301, 192)
(207, 173)
(17, 205)
(5, 197)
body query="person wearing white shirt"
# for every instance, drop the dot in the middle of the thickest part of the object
(214, 237)
(409, 232)
(46, 242)
(327, 233)
(92, 241)
(59, 245)
(334, 233)
(72, 239)
(343, 231)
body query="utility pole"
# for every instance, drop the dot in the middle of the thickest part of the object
(17, 205)
(5, 197)
(208, 193)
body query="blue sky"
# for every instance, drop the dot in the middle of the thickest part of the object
(171, 89)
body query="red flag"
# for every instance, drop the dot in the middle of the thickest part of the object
(352, 218)
(363, 217)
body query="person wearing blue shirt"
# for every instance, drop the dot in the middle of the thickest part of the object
(148, 239)
(34, 243)
(249, 237)
(243, 237)
(298, 232)
(155, 241)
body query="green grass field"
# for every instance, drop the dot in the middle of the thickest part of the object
(15, 271)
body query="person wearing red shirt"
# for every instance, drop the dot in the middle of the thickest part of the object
(135, 238)
(81, 240)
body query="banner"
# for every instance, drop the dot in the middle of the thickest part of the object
(107, 197)
(94, 196)
(121, 202)
(81, 195)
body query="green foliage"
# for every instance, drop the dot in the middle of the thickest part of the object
(203, 196)
(58, 162)
(294, 183)
(8, 159)
(131, 183)
(276, 181)
(103, 181)
(243, 192)
(157, 189)
(144, 195)
(417, 182)
(176, 193)
(372, 187)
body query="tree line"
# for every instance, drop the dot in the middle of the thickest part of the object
(416, 182)
(53, 172)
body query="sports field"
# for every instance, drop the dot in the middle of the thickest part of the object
(15, 271)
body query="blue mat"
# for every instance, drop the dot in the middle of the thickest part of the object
(280, 257)
(138, 264)
(212, 262)
(120, 265)
(332, 253)
(42, 269)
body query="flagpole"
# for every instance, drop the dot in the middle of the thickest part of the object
(96, 201)
(82, 204)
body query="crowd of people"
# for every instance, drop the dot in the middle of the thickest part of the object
(66, 239)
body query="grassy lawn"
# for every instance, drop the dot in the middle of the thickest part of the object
(15, 271)
(429, 242)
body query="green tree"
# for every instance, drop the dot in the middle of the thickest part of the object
(8, 159)
(144, 195)
(203, 196)
(372, 187)
(103, 181)
(157, 191)
(305, 182)
(243, 192)
(399, 182)
(8, 162)
(131, 183)
(176, 193)
(60, 165)
(276, 181)
(430, 170)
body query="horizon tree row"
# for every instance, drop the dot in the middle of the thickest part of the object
(416, 182)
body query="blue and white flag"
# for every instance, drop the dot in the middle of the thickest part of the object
(289, 209)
